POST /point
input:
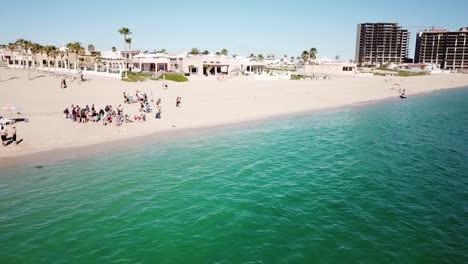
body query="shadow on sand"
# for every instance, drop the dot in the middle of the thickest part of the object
(39, 76)
(9, 79)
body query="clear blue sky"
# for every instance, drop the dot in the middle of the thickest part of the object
(242, 27)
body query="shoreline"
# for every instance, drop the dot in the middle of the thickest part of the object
(133, 143)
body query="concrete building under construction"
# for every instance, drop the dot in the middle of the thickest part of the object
(449, 49)
(381, 43)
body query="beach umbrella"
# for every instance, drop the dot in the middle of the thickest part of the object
(11, 108)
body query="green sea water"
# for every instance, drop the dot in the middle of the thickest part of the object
(384, 182)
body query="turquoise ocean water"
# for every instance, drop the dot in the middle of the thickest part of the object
(379, 183)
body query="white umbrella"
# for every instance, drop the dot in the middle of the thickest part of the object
(11, 108)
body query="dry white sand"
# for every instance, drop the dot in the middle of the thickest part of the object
(205, 102)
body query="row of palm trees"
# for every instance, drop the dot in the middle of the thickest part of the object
(27, 47)
(306, 55)
(195, 51)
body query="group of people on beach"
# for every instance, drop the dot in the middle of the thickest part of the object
(139, 97)
(109, 114)
(145, 106)
(4, 136)
(106, 115)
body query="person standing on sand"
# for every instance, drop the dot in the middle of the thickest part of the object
(4, 135)
(63, 83)
(119, 110)
(13, 136)
(158, 113)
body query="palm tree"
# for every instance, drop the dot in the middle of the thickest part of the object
(62, 54)
(41, 51)
(194, 51)
(91, 48)
(27, 45)
(20, 45)
(125, 32)
(49, 50)
(162, 51)
(305, 56)
(251, 55)
(24, 46)
(11, 47)
(55, 54)
(313, 52)
(35, 48)
(292, 59)
(205, 52)
(114, 49)
(76, 48)
(224, 52)
(337, 57)
(260, 57)
(129, 42)
(234, 56)
(67, 52)
(218, 53)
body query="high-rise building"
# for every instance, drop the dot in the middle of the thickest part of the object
(381, 43)
(449, 49)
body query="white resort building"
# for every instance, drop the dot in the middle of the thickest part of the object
(331, 68)
(214, 64)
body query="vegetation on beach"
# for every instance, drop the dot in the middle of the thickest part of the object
(385, 68)
(280, 69)
(173, 77)
(410, 74)
(402, 73)
(379, 74)
(143, 76)
(297, 77)
(136, 77)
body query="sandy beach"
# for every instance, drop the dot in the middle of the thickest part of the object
(205, 102)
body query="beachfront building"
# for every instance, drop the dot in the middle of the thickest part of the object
(449, 49)
(62, 62)
(220, 64)
(331, 69)
(18, 58)
(111, 55)
(430, 68)
(176, 62)
(381, 43)
(150, 62)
